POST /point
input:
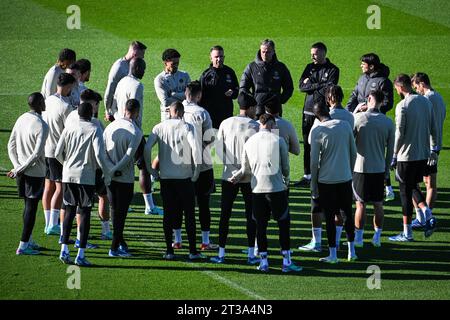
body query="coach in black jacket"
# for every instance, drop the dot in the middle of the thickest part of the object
(375, 77)
(219, 87)
(314, 81)
(267, 74)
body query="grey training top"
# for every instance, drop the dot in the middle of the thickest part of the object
(374, 137)
(439, 113)
(333, 154)
(414, 123)
(119, 69)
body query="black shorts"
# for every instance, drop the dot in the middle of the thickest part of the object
(410, 172)
(80, 195)
(54, 169)
(368, 187)
(30, 187)
(139, 155)
(100, 187)
(267, 204)
(429, 170)
(205, 184)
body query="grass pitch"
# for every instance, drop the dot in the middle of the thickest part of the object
(413, 37)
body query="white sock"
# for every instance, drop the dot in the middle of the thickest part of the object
(427, 213)
(407, 230)
(251, 252)
(286, 257)
(221, 252)
(105, 227)
(81, 253)
(351, 249)
(307, 176)
(148, 201)
(205, 237)
(377, 234)
(47, 217)
(338, 235)
(23, 245)
(317, 235)
(333, 253)
(78, 233)
(62, 229)
(64, 248)
(54, 216)
(359, 233)
(177, 233)
(420, 215)
(389, 189)
(264, 260)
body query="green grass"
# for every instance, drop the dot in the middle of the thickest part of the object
(413, 37)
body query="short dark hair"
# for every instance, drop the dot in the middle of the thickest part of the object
(335, 93)
(272, 105)
(320, 46)
(378, 95)
(85, 65)
(245, 101)
(90, 94)
(137, 45)
(75, 66)
(67, 54)
(403, 80)
(35, 100)
(178, 106)
(218, 48)
(85, 110)
(170, 54)
(421, 77)
(320, 110)
(137, 66)
(268, 43)
(193, 88)
(65, 79)
(132, 105)
(371, 59)
(264, 118)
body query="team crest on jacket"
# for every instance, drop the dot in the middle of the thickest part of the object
(276, 75)
(228, 78)
(373, 84)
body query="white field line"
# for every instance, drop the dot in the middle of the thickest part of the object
(213, 275)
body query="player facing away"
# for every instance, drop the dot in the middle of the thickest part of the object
(231, 137)
(80, 150)
(266, 158)
(333, 154)
(58, 108)
(421, 84)
(414, 125)
(374, 137)
(122, 139)
(179, 167)
(26, 152)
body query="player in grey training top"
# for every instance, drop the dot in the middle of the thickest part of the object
(66, 57)
(415, 124)
(333, 154)
(374, 136)
(171, 83)
(421, 83)
(231, 137)
(120, 69)
(266, 158)
(26, 152)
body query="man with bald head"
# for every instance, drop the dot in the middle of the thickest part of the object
(130, 87)
(118, 71)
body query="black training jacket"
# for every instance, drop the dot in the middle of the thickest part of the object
(261, 77)
(320, 77)
(377, 80)
(215, 82)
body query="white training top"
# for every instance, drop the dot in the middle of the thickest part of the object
(50, 81)
(128, 88)
(26, 145)
(122, 138)
(57, 109)
(119, 69)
